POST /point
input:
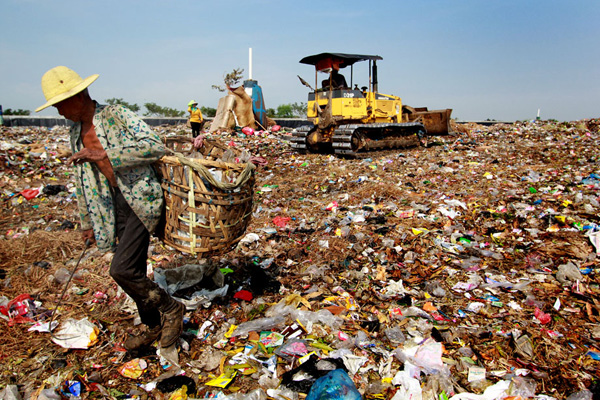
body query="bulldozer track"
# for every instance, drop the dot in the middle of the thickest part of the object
(377, 137)
(299, 139)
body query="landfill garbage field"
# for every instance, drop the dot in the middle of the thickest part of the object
(467, 269)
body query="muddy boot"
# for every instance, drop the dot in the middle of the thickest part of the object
(134, 343)
(172, 324)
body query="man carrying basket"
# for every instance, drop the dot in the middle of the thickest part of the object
(119, 195)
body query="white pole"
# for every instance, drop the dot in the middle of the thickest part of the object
(250, 63)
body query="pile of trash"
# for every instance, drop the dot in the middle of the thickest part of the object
(464, 270)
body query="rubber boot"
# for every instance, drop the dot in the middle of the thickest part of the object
(172, 322)
(134, 343)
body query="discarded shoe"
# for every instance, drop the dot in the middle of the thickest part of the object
(172, 325)
(145, 339)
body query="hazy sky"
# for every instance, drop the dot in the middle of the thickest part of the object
(499, 59)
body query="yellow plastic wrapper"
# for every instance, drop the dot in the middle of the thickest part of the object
(232, 328)
(179, 394)
(133, 369)
(417, 231)
(222, 380)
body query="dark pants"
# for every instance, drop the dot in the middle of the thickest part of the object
(196, 126)
(128, 267)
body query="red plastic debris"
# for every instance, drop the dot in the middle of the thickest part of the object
(542, 316)
(16, 309)
(30, 193)
(243, 295)
(281, 221)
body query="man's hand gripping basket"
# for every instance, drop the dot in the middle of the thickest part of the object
(208, 203)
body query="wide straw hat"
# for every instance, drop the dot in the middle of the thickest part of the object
(60, 83)
(192, 102)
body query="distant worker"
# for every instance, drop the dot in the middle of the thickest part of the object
(338, 81)
(195, 117)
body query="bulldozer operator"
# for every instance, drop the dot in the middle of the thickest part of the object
(336, 80)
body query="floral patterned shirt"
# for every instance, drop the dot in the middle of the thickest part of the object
(132, 147)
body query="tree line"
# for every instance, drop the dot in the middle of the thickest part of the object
(292, 110)
(10, 111)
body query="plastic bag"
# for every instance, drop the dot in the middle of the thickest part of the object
(581, 395)
(260, 324)
(76, 334)
(427, 357)
(497, 391)
(522, 387)
(410, 387)
(334, 386)
(395, 335)
(10, 392)
(187, 276)
(568, 273)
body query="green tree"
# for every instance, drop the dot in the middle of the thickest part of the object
(285, 111)
(299, 109)
(154, 110)
(208, 111)
(10, 111)
(114, 101)
(231, 79)
(271, 113)
(292, 110)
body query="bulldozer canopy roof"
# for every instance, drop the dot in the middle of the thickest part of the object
(342, 59)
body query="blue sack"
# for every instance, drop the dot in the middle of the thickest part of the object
(336, 385)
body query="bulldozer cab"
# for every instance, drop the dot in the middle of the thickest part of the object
(333, 62)
(337, 98)
(335, 103)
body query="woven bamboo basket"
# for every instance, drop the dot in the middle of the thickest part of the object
(208, 203)
(211, 150)
(180, 144)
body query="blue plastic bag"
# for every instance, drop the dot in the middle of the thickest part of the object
(336, 385)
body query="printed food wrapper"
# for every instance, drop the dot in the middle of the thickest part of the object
(271, 339)
(133, 369)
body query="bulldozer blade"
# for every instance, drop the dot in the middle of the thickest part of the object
(437, 122)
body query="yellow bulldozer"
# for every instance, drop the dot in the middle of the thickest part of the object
(349, 120)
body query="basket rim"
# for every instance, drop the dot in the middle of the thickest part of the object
(173, 160)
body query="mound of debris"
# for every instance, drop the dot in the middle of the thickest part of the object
(464, 270)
